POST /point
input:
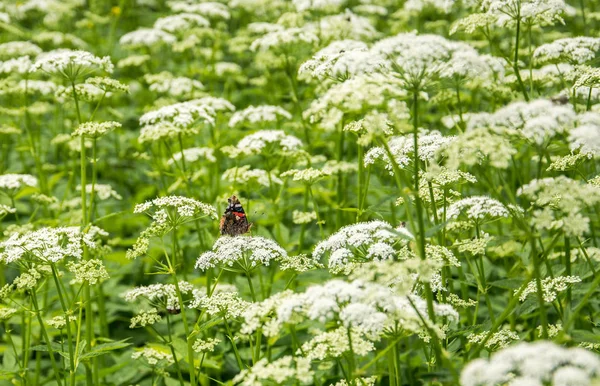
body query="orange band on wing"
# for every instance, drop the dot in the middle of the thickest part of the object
(239, 214)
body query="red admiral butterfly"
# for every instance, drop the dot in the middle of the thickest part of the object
(234, 221)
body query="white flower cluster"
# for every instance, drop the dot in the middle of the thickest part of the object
(17, 181)
(95, 129)
(164, 295)
(498, 340)
(477, 209)
(247, 252)
(254, 115)
(244, 175)
(284, 39)
(173, 120)
(342, 59)
(480, 146)
(154, 357)
(176, 86)
(287, 368)
(20, 65)
(90, 271)
(403, 147)
(194, 154)
(365, 306)
(318, 5)
(540, 12)
(586, 136)
(146, 37)
(19, 48)
(578, 50)
(261, 141)
(208, 9)
(145, 318)
(562, 201)
(180, 22)
(357, 94)
(365, 241)
(51, 244)
(184, 207)
(345, 25)
(538, 363)
(205, 345)
(226, 304)
(71, 64)
(551, 286)
(102, 191)
(538, 120)
(334, 343)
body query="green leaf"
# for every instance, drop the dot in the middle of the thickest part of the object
(105, 348)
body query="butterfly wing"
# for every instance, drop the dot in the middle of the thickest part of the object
(234, 221)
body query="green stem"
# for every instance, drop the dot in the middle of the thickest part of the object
(67, 323)
(46, 338)
(186, 326)
(516, 59)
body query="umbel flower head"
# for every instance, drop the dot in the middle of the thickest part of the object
(17, 181)
(402, 149)
(352, 244)
(95, 129)
(280, 371)
(243, 253)
(163, 296)
(254, 115)
(51, 244)
(342, 59)
(538, 363)
(71, 64)
(366, 306)
(264, 142)
(176, 119)
(146, 37)
(180, 22)
(477, 209)
(167, 213)
(577, 50)
(560, 202)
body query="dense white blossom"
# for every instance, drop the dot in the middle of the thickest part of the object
(180, 22)
(535, 363)
(71, 64)
(164, 295)
(284, 39)
(264, 142)
(254, 115)
(146, 37)
(17, 181)
(19, 48)
(342, 59)
(51, 244)
(287, 368)
(208, 9)
(477, 209)
(402, 148)
(246, 175)
(247, 252)
(577, 50)
(360, 241)
(194, 154)
(586, 136)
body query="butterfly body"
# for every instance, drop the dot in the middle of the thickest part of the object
(234, 221)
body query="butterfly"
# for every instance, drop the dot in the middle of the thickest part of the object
(234, 221)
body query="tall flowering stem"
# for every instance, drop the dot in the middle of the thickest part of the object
(418, 203)
(186, 326)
